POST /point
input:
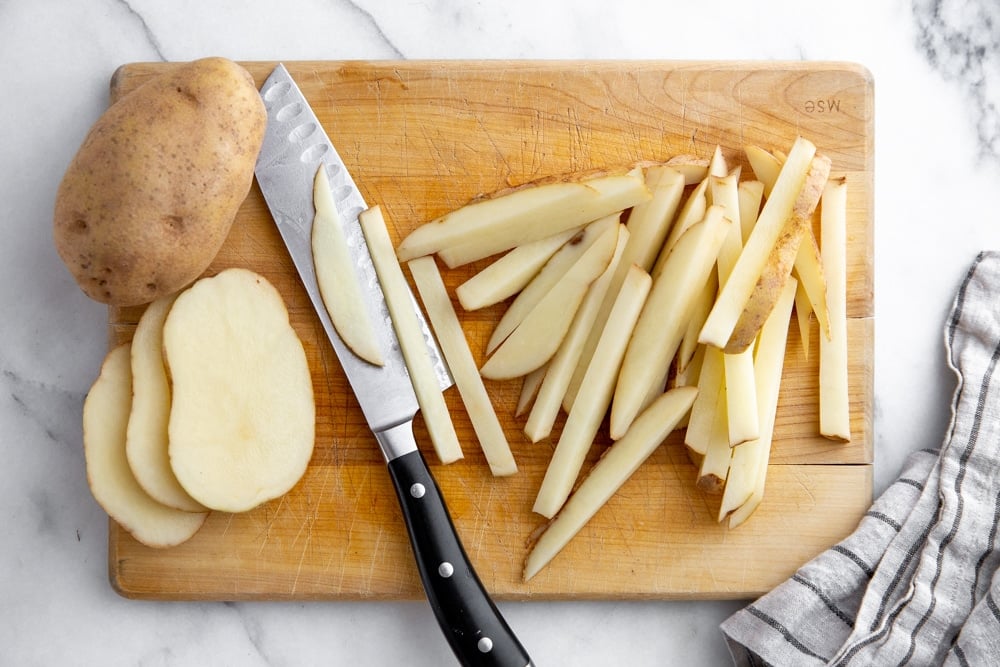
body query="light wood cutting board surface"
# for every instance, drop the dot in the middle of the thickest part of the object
(422, 138)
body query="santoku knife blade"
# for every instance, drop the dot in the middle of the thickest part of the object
(295, 147)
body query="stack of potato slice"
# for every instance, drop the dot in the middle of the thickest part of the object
(660, 297)
(210, 407)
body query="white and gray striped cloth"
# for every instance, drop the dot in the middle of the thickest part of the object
(917, 583)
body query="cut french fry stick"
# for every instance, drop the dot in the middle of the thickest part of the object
(725, 193)
(691, 213)
(834, 413)
(648, 226)
(741, 397)
(748, 468)
(401, 307)
(338, 283)
(689, 344)
(661, 326)
(782, 259)
(717, 165)
(530, 384)
(489, 226)
(714, 467)
(803, 312)
(456, 351)
(765, 165)
(560, 369)
(751, 194)
(710, 383)
(649, 222)
(547, 278)
(741, 402)
(595, 394)
(694, 169)
(691, 374)
(809, 268)
(608, 475)
(777, 209)
(539, 335)
(508, 275)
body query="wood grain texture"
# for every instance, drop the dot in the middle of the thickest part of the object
(422, 138)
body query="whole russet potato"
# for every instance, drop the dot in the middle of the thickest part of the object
(150, 196)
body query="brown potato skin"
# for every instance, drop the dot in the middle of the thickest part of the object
(150, 196)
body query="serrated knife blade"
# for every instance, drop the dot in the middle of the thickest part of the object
(295, 147)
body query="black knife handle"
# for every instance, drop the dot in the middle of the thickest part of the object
(473, 626)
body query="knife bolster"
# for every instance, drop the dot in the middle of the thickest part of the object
(396, 440)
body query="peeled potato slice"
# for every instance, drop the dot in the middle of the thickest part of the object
(243, 418)
(146, 440)
(105, 419)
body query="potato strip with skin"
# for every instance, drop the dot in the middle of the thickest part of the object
(777, 209)
(335, 275)
(529, 213)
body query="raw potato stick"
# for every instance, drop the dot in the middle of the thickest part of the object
(779, 264)
(751, 194)
(614, 468)
(689, 344)
(714, 467)
(547, 278)
(539, 335)
(835, 411)
(812, 281)
(530, 385)
(526, 214)
(803, 311)
(411, 337)
(661, 326)
(693, 168)
(550, 395)
(765, 165)
(595, 394)
(777, 210)
(691, 213)
(741, 398)
(710, 384)
(648, 225)
(748, 469)
(463, 366)
(508, 275)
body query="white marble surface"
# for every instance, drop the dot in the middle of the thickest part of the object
(936, 66)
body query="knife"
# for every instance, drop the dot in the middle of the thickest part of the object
(295, 147)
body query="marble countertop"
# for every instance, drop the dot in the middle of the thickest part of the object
(936, 66)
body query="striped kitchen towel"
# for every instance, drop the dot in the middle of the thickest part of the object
(917, 583)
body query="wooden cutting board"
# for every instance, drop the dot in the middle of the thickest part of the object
(421, 138)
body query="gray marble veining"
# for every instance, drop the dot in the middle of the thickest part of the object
(961, 40)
